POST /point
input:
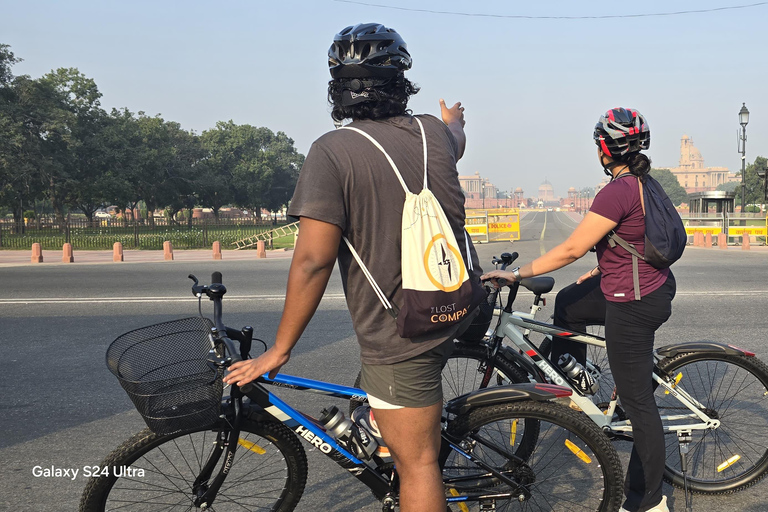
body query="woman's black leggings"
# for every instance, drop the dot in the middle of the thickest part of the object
(576, 306)
(630, 329)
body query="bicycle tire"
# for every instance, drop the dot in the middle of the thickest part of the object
(735, 389)
(464, 370)
(270, 476)
(574, 466)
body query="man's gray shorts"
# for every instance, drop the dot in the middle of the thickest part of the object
(415, 382)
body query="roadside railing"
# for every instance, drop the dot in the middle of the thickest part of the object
(101, 234)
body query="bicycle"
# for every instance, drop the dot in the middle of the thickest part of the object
(713, 397)
(502, 449)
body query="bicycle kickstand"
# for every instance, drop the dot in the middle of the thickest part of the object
(684, 438)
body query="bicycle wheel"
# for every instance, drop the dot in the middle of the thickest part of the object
(268, 472)
(732, 389)
(574, 466)
(597, 365)
(467, 367)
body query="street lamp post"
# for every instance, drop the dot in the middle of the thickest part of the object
(743, 120)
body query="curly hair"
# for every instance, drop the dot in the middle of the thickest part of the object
(392, 100)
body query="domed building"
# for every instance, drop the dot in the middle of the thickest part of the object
(546, 192)
(692, 174)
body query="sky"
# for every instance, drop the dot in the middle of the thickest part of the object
(533, 89)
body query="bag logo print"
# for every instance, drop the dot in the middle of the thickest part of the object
(443, 264)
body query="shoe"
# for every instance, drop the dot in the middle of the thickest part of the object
(363, 416)
(661, 507)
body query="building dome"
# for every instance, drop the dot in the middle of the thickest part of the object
(572, 189)
(519, 190)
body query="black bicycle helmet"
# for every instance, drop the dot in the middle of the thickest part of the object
(368, 50)
(622, 130)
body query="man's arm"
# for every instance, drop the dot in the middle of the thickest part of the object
(454, 118)
(313, 259)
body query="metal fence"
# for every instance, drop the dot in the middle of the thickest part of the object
(101, 234)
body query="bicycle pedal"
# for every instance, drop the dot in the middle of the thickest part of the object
(487, 506)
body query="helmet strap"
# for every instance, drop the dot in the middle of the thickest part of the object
(608, 168)
(359, 90)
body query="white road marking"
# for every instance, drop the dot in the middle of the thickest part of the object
(123, 300)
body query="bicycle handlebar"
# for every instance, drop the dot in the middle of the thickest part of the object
(215, 291)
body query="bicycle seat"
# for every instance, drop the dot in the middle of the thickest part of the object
(538, 285)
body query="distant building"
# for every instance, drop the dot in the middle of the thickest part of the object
(691, 173)
(481, 193)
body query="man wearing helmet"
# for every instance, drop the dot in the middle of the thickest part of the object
(348, 188)
(634, 309)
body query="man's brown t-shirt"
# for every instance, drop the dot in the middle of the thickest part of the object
(348, 182)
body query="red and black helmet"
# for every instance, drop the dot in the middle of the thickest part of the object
(368, 50)
(622, 130)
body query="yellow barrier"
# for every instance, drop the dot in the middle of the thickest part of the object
(751, 230)
(496, 225)
(714, 230)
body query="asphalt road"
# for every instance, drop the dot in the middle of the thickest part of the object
(61, 407)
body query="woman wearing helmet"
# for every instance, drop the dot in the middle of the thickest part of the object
(348, 188)
(630, 324)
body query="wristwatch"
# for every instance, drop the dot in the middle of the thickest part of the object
(516, 273)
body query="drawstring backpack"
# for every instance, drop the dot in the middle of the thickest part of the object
(437, 289)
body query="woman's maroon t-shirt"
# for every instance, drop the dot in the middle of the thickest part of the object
(619, 201)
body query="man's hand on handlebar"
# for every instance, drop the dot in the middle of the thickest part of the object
(499, 278)
(243, 372)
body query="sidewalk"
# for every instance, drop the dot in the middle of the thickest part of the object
(16, 258)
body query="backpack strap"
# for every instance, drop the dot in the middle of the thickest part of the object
(614, 240)
(391, 308)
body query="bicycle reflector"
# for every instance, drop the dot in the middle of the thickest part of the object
(513, 432)
(728, 463)
(678, 378)
(251, 446)
(577, 451)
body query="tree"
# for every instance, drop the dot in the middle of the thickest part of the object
(671, 186)
(20, 138)
(71, 154)
(250, 167)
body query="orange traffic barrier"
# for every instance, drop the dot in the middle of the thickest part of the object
(261, 249)
(745, 241)
(66, 254)
(722, 241)
(708, 240)
(37, 253)
(167, 250)
(217, 250)
(117, 252)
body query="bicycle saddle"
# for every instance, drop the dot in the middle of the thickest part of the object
(538, 285)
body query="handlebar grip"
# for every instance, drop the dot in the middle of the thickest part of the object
(502, 282)
(216, 278)
(246, 388)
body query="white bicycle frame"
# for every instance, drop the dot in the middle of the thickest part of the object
(516, 325)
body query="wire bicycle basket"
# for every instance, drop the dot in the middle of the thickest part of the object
(164, 370)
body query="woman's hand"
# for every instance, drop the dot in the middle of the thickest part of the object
(495, 275)
(243, 372)
(592, 273)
